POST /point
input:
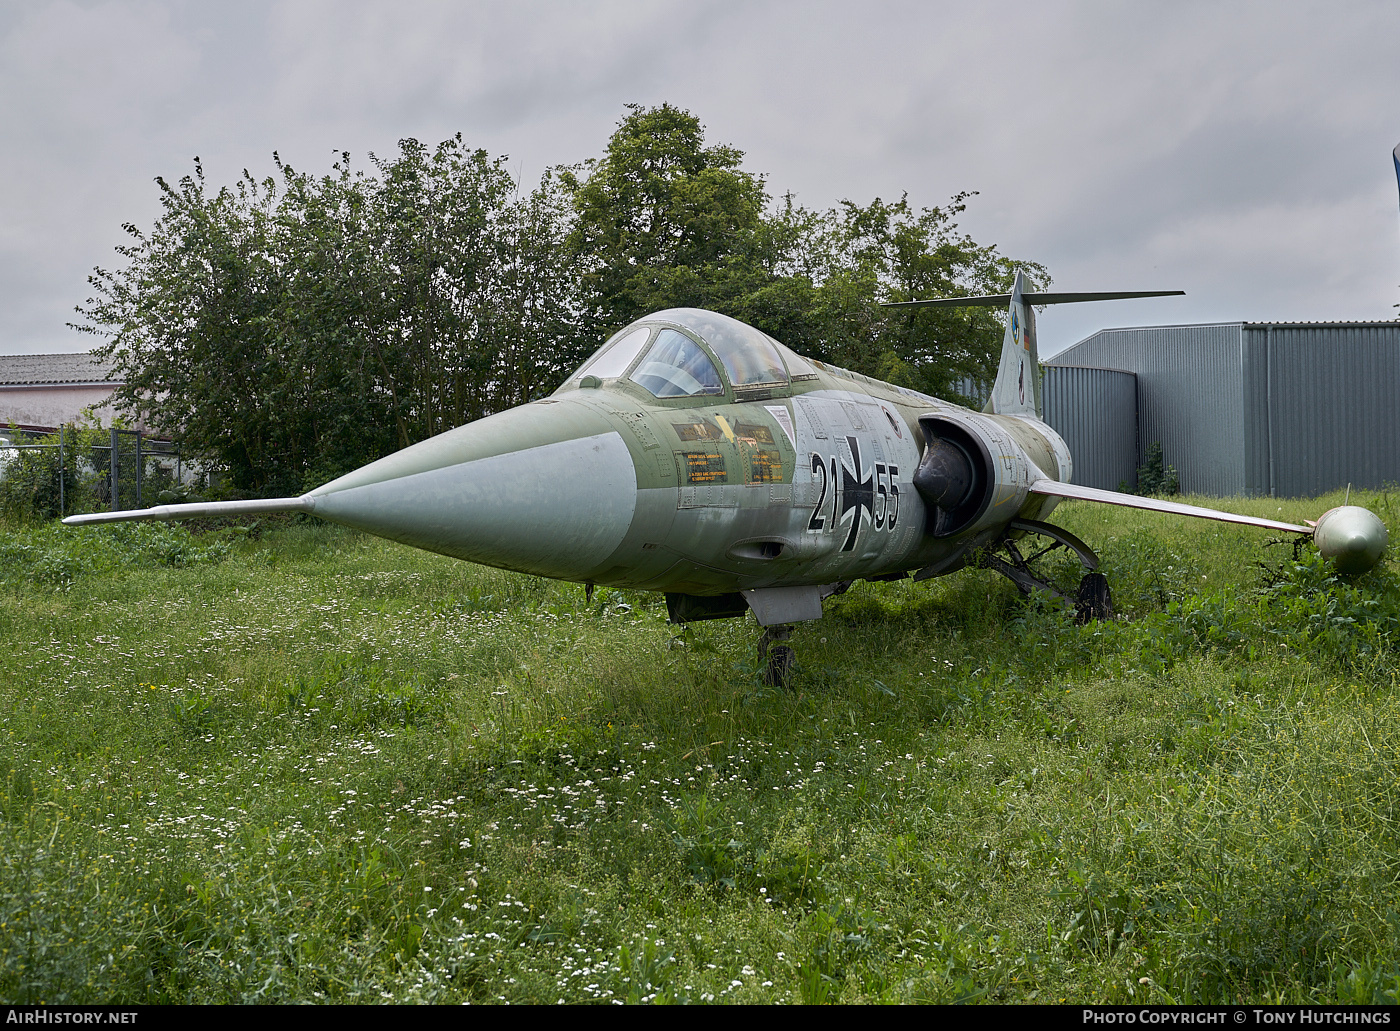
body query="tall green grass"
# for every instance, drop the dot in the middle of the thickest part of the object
(299, 764)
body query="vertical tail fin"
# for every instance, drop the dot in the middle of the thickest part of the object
(1017, 387)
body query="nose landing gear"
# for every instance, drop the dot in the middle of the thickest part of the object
(776, 655)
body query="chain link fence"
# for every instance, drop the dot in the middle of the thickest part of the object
(51, 475)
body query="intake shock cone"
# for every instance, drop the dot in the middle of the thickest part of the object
(944, 480)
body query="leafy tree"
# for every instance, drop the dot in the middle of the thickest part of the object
(439, 251)
(540, 334)
(863, 257)
(297, 327)
(195, 326)
(326, 395)
(664, 221)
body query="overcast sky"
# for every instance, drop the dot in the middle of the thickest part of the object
(1239, 152)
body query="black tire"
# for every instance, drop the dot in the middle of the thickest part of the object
(1095, 600)
(779, 670)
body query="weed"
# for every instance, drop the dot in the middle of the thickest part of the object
(304, 765)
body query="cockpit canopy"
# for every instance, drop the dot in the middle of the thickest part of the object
(672, 354)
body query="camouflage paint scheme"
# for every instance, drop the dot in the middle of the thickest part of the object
(802, 483)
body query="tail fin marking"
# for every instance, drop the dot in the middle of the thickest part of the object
(1017, 387)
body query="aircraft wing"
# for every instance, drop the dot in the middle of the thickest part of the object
(1054, 488)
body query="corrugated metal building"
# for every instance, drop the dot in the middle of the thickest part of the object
(1096, 411)
(1281, 409)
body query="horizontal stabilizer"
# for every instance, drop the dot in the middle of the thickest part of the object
(1074, 491)
(998, 300)
(198, 510)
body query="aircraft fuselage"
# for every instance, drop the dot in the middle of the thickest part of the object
(807, 484)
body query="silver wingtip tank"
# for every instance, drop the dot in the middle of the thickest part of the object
(1352, 538)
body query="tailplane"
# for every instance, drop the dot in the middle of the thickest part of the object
(1017, 387)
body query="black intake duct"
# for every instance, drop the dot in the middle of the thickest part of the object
(953, 477)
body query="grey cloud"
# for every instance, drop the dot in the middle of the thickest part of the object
(1238, 151)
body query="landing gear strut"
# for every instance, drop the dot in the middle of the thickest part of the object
(1093, 601)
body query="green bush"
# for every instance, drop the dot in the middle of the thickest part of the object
(29, 479)
(1155, 476)
(29, 485)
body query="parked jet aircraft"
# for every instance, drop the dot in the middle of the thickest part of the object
(694, 455)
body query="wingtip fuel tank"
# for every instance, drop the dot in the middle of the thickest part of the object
(1352, 538)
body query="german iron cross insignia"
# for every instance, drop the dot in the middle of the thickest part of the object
(857, 493)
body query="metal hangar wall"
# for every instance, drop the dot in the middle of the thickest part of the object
(1276, 409)
(1096, 411)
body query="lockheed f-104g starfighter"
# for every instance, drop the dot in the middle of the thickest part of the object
(695, 455)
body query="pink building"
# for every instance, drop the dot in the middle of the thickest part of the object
(45, 391)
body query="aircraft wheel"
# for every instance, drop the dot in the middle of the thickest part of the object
(776, 655)
(1095, 600)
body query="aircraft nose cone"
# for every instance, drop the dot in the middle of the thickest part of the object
(548, 488)
(1351, 538)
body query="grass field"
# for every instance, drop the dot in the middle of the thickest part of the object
(300, 764)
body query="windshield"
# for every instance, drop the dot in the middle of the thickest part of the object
(750, 357)
(681, 364)
(677, 367)
(611, 360)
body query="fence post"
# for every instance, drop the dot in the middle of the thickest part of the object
(61, 505)
(116, 505)
(138, 470)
